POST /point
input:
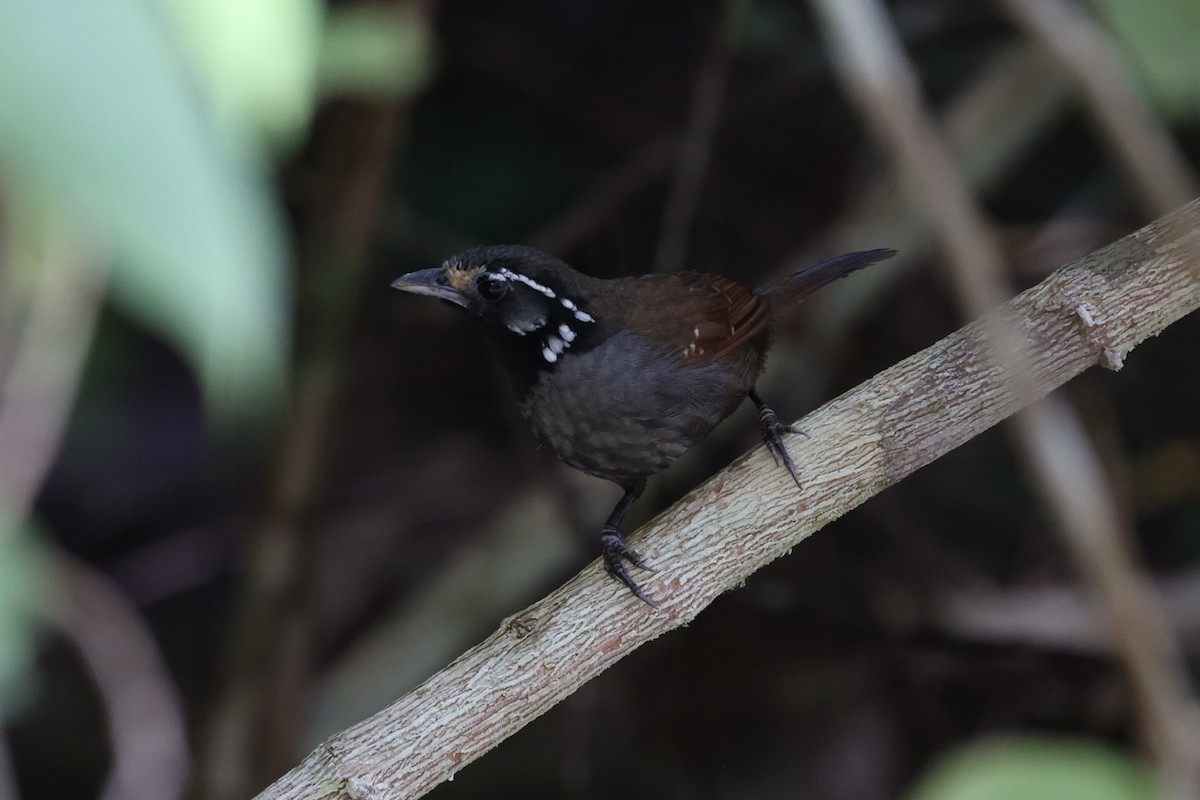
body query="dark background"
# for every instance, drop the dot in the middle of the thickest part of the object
(424, 515)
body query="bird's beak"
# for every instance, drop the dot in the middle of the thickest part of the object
(432, 282)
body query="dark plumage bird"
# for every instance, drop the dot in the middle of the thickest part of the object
(620, 377)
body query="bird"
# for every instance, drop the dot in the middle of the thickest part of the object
(619, 377)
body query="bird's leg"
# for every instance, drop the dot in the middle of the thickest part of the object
(772, 434)
(614, 549)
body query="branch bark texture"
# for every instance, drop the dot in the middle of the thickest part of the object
(1093, 311)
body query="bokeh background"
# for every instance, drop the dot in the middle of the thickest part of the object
(250, 495)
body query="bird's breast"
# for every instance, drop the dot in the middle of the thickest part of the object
(627, 408)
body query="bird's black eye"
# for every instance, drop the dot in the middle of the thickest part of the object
(491, 287)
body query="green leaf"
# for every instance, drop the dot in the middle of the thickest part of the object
(373, 51)
(95, 106)
(1160, 38)
(257, 61)
(1037, 768)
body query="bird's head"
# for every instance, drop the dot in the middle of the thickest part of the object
(525, 299)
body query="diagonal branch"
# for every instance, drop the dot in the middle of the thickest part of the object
(1093, 311)
(1060, 459)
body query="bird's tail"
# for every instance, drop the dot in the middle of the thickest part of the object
(800, 284)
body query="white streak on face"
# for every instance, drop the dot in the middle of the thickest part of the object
(508, 274)
(696, 332)
(566, 333)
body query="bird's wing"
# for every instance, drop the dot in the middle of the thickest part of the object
(700, 316)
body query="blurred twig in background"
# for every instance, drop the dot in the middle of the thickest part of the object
(256, 724)
(1155, 168)
(1059, 617)
(146, 725)
(692, 156)
(1062, 463)
(147, 731)
(528, 544)
(39, 387)
(743, 518)
(253, 728)
(988, 127)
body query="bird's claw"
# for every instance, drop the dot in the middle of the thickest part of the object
(772, 434)
(616, 552)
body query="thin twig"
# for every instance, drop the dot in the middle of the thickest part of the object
(878, 75)
(39, 388)
(750, 514)
(991, 125)
(1055, 618)
(1157, 169)
(146, 725)
(1071, 482)
(38, 384)
(696, 145)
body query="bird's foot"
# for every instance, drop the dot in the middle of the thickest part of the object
(616, 552)
(772, 434)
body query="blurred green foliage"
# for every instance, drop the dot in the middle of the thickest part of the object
(368, 50)
(1037, 768)
(150, 123)
(97, 111)
(143, 130)
(256, 62)
(1160, 38)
